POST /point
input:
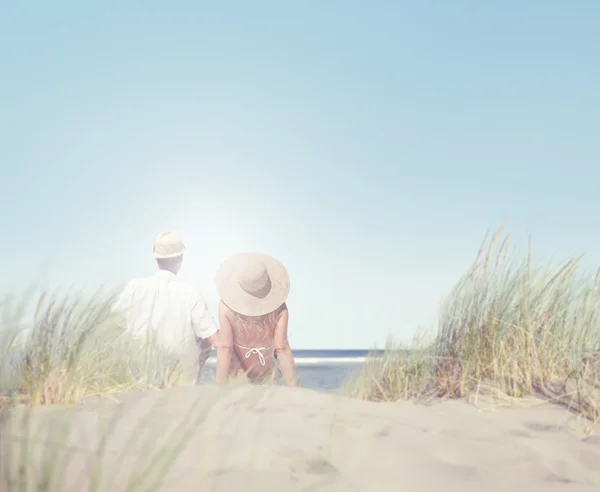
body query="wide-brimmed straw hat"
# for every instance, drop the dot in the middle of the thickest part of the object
(253, 284)
(168, 245)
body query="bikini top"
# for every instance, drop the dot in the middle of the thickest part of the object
(255, 350)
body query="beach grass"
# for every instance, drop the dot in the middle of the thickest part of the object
(510, 328)
(74, 349)
(72, 352)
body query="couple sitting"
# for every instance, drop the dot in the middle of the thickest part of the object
(253, 316)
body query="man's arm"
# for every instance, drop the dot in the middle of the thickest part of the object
(205, 330)
(204, 347)
(208, 335)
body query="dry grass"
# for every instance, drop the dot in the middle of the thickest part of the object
(73, 350)
(510, 327)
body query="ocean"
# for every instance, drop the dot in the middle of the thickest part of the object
(321, 370)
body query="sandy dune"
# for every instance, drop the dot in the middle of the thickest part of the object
(273, 439)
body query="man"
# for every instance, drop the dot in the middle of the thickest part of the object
(170, 311)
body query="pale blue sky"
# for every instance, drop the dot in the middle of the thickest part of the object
(366, 145)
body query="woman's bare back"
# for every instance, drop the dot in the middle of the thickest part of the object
(254, 342)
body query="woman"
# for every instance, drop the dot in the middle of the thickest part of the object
(253, 318)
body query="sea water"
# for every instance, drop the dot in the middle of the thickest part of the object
(321, 370)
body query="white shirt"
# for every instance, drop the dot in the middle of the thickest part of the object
(167, 307)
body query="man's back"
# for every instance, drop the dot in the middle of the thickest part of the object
(165, 307)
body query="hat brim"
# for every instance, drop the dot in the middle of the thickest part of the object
(246, 304)
(166, 257)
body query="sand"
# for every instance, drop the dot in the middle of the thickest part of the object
(272, 439)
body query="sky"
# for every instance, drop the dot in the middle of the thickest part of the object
(368, 146)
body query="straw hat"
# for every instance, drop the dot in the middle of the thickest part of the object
(252, 284)
(168, 245)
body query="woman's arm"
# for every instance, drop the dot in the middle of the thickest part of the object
(284, 351)
(223, 344)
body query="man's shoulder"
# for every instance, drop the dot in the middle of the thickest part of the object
(153, 283)
(143, 285)
(189, 288)
(140, 282)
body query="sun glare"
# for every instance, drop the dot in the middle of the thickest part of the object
(212, 240)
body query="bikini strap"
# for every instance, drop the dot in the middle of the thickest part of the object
(255, 350)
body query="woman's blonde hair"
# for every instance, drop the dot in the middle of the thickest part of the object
(257, 323)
